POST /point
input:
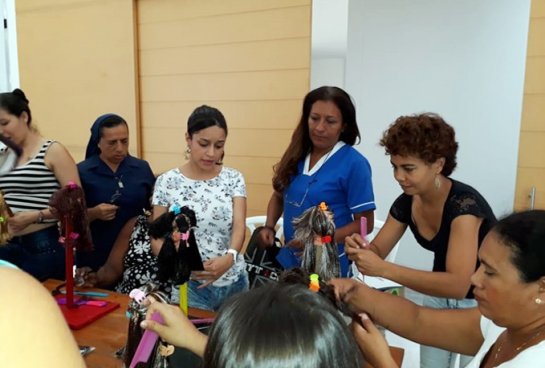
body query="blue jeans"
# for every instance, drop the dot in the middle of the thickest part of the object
(38, 253)
(211, 297)
(437, 358)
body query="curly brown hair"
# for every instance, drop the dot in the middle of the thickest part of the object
(300, 144)
(426, 136)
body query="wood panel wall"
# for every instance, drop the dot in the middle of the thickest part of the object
(250, 59)
(77, 60)
(531, 161)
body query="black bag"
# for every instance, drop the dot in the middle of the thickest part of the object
(261, 263)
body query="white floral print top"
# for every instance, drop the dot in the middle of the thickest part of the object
(212, 201)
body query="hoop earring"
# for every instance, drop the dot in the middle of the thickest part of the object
(187, 152)
(437, 182)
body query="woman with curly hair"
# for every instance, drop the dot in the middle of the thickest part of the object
(446, 216)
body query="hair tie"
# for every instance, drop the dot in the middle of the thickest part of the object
(314, 284)
(326, 239)
(175, 209)
(323, 206)
(72, 185)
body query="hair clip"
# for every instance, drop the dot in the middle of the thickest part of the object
(314, 283)
(175, 209)
(2, 219)
(137, 295)
(185, 236)
(72, 184)
(323, 206)
(326, 239)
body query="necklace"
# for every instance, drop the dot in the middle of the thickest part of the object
(518, 348)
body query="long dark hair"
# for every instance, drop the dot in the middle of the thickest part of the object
(280, 325)
(301, 144)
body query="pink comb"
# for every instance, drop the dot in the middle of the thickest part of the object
(363, 227)
(143, 351)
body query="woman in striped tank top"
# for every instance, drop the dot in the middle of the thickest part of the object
(42, 168)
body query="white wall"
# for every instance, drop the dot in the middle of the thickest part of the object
(463, 59)
(329, 40)
(9, 70)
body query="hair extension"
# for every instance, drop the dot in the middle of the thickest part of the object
(69, 204)
(316, 230)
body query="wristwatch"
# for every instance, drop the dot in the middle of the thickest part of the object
(234, 253)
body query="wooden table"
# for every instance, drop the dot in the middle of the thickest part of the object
(109, 333)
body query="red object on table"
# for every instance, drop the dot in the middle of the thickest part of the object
(79, 316)
(69, 263)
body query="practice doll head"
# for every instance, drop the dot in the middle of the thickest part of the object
(69, 204)
(316, 230)
(179, 254)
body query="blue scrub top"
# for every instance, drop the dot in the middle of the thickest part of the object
(130, 188)
(343, 183)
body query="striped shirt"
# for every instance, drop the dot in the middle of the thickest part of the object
(29, 186)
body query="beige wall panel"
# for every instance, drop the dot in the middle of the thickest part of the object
(280, 114)
(528, 178)
(258, 198)
(74, 68)
(247, 56)
(268, 85)
(170, 10)
(538, 8)
(533, 113)
(535, 75)
(229, 28)
(256, 170)
(242, 142)
(250, 59)
(536, 37)
(532, 150)
(163, 161)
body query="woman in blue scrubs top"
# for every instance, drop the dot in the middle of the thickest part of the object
(117, 186)
(320, 165)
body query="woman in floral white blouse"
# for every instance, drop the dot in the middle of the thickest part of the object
(217, 194)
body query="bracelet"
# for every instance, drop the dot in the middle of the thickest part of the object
(40, 219)
(234, 253)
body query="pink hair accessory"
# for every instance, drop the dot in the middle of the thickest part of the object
(137, 295)
(185, 236)
(73, 236)
(72, 184)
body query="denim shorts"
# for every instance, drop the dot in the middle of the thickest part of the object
(211, 297)
(38, 253)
